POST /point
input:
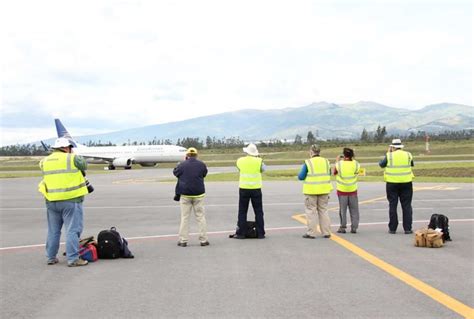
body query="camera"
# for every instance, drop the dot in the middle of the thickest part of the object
(89, 186)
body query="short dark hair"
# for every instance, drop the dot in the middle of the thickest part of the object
(348, 152)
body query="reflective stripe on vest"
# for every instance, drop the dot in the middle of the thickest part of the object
(61, 178)
(398, 169)
(346, 177)
(318, 179)
(250, 175)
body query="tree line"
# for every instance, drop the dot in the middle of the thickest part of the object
(379, 135)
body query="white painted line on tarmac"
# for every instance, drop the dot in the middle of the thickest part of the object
(221, 205)
(423, 208)
(231, 231)
(150, 206)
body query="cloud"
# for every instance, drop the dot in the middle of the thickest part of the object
(120, 64)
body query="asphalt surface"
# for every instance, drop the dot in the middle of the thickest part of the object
(282, 276)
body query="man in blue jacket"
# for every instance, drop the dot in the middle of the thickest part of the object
(190, 174)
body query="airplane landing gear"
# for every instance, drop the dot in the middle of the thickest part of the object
(111, 167)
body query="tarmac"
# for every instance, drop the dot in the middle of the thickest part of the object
(371, 274)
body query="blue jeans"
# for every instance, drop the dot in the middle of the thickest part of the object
(70, 214)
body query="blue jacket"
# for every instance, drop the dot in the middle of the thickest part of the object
(190, 174)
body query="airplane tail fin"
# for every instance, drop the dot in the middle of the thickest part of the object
(62, 132)
(46, 148)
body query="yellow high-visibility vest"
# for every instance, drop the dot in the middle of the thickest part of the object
(250, 172)
(318, 179)
(398, 169)
(61, 178)
(346, 177)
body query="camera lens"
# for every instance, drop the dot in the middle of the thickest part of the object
(90, 188)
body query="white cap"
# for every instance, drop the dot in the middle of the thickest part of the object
(397, 143)
(62, 142)
(251, 149)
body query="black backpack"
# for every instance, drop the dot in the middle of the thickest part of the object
(251, 231)
(111, 245)
(442, 222)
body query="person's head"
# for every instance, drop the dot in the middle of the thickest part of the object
(63, 144)
(348, 153)
(314, 150)
(251, 149)
(396, 144)
(191, 152)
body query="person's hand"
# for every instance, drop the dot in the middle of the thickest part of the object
(338, 158)
(389, 149)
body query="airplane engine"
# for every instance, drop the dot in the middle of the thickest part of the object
(122, 162)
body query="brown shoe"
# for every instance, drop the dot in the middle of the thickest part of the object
(78, 262)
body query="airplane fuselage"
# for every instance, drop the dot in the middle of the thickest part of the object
(123, 156)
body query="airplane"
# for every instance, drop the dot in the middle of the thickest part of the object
(124, 156)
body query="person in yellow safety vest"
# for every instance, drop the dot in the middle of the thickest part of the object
(316, 177)
(250, 189)
(346, 171)
(398, 176)
(64, 187)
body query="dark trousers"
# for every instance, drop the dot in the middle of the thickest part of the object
(245, 196)
(404, 191)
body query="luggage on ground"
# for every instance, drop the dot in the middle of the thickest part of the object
(420, 240)
(440, 221)
(428, 238)
(434, 240)
(251, 231)
(111, 245)
(88, 252)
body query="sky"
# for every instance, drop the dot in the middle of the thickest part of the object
(110, 65)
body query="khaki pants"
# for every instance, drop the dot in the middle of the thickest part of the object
(187, 205)
(316, 207)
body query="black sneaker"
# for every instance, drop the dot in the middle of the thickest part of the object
(408, 231)
(327, 236)
(392, 231)
(239, 237)
(341, 230)
(353, 231)
(308, 236)
(206, 243)
(180, 244)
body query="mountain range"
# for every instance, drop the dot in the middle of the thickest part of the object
(328, 119)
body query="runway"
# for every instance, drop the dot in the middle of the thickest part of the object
(282, 276)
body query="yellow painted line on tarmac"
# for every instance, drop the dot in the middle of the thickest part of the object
(419, 285)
